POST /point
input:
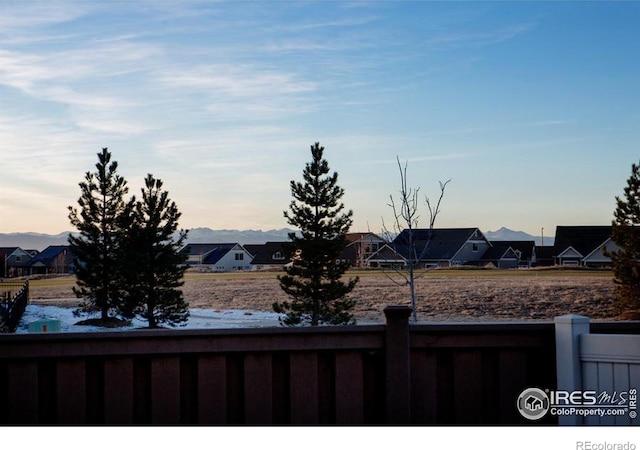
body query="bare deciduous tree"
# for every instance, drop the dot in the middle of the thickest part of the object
(403, 237)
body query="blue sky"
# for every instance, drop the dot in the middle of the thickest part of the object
(532, 109)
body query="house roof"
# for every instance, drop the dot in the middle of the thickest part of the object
(497, 251)
(199, 249)
(47, 256)
(367, 237)
(263, 253)
(526, 248)
(210, 253)
(8, 251)
(544, 252)
(444, 243)
(385, 254)
(584, 239)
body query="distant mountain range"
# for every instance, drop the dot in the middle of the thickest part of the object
(32, 241)
(39, 241)
(207, 235)
(505, 234)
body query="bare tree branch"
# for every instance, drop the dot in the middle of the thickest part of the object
(406, 220)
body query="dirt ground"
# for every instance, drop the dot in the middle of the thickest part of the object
(441, 295)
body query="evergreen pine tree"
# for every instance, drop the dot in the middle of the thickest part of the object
(313, 279)
(154, 266)
(96, 247)
(625, 233)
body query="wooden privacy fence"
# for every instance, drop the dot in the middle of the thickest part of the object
(13, 301)
(394, 373)
(606, 364)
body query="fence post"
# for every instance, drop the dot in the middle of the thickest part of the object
(568, 369)
(398, 365)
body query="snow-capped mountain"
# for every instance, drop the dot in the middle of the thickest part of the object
(505, 234)
(39, 241)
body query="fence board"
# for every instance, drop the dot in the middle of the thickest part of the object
(258, 389)
(610, 348)
(512, 376)
(349, 388)
(424, 387)
(620, 384)
(467, 387)
(634, 382)
(118, 391)
(304, 388)
(212, 389)
(71, 392)
(22, 386)
(589, 378)
(605, 383)
(281, 388)
(165, 390)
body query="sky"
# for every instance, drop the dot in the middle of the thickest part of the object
(532, 109)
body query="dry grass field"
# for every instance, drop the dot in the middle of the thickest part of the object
(442, 294)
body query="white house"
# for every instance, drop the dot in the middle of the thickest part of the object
(217, 257)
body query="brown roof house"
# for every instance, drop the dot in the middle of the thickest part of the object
(362, 246)
(56, 259)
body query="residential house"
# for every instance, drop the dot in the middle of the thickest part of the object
(510, 254)
(268, 256)
(217, 257)
(583, 246)
(14, 261)
(362, 246)
(272, 255)
(544, 256)
(55, 259)
(439, 247)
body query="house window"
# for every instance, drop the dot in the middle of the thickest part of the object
(277, 255)
(474, 247)
(239, 256)
(18, 259)
(372, 247)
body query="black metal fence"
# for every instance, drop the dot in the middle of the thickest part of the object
(13, 301)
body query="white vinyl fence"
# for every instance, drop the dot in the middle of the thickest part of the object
(601, 373)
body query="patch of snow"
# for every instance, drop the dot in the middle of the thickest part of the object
(198, 319)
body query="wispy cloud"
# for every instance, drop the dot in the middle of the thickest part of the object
(236, 80)
(454, 39)
(417, 159)
(25, 15)
(46, 77)
(264, 146)
(345, 22)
